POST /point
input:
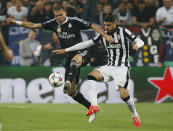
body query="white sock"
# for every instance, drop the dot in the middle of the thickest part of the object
(92, 91)
(130, 104)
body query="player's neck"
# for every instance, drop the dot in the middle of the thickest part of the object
(64, 21)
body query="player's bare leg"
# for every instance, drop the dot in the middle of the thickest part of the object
(70, 84)
(124, 93)
(92, 91)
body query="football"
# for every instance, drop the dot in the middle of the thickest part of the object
(56, 79)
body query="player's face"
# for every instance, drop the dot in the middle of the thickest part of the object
(110, 26)
(60, 15)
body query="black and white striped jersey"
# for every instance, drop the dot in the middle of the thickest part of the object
(118, 52)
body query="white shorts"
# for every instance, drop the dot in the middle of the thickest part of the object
(120, 75)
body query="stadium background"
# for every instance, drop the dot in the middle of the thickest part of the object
(29, 84)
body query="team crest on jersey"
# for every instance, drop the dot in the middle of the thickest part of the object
(69, 25)
(59, 29)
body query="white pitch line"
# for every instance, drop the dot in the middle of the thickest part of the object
(17, 107)
(0, 126)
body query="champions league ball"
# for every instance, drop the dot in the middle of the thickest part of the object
(56, 79)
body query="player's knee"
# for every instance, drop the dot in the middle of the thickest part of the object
(126, 98)
(74, 63)
(78, 59)
(90, 77)
(124, 94)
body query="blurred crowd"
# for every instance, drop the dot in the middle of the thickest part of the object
(143, 13)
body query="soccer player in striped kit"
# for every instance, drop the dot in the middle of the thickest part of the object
(117, 67)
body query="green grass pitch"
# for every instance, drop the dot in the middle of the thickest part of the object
(71, 117)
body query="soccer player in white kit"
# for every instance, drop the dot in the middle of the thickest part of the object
(117, 67)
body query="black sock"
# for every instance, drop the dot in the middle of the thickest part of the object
(81, 99)
(73, 70)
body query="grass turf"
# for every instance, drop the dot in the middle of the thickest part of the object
(71, 117)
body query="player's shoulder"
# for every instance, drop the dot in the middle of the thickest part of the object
(76, 19)
(50, 21)
(124, 29)
(121, 28)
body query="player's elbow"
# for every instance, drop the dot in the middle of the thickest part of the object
(139, 42)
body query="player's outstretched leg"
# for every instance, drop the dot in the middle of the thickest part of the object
(71, 75)
(130, 104)
(92, 91)
(81, 99)
(77, 96)
(72, 78)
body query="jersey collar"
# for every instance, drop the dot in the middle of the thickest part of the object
(66, 20)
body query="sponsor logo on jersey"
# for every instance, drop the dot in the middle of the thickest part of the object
(115, 45)
(65, 35)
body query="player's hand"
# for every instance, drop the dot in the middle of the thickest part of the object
(11, 21)
(60, 51)
(110, 39)
(135, 47)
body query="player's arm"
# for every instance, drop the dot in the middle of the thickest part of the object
(25, 24)
(83, 25)
(5, 50)
(138, 43)
(102, 33)
(79, 46)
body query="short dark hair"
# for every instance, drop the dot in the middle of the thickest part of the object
(109, 18)
(58, 8)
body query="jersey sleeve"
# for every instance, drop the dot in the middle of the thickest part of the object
(82, 24)
(47, 24)
(129, 35)
(97, 39)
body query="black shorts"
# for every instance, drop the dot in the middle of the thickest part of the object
(69, 57)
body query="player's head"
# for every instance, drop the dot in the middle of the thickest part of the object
(60, 13)
(110, 23)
